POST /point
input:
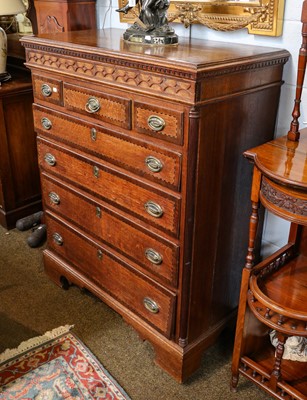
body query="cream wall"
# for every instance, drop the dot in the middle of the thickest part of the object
(275, 230)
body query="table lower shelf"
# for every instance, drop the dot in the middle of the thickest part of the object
(258, 367)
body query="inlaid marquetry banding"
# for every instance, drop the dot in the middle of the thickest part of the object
(293, 205)
(112, 110)
(37, 53)
(161, 82)
(141, 122)
(55, 95)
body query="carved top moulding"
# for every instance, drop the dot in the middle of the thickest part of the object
(259, 17)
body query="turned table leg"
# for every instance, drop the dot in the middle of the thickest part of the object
(253, 225)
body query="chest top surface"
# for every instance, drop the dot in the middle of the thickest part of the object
(193, 54)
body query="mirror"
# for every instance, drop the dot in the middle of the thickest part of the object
(259, 17)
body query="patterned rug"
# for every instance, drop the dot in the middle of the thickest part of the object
(55, 366)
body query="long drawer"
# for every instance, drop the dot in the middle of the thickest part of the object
(153, 162)
(144, 297)
(151, 252)
(135, 197)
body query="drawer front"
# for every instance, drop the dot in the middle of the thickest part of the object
(151, 302)
(47, 89)
(159, 122)
(153, 254)
(134, 197)
(102, 106)
(147, 160)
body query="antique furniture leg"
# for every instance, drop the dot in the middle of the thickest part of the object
(253, 224)
(294, 133)
(276, 374)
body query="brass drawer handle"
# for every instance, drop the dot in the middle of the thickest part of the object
(92, 105)
(153, 164)
(151, 305)
(57, 238)
(153, 256)
(46, 90)
(54, 198)
(156, 123)
(47, 124)
(153, 209)
(50, 159)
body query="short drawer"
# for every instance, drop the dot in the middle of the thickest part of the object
(131, 195)
(102, 106)
(150, 161)
(159, 122)
(150, 301)
(152, 253)
(47, 89)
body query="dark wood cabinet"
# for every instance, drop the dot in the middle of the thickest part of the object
(140, 152)
(63, 15)
(19, 177)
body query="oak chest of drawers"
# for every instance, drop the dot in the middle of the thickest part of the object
(140, 158)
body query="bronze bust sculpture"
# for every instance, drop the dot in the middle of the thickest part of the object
(151, 26)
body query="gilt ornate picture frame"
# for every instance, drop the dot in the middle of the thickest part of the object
(259, 17)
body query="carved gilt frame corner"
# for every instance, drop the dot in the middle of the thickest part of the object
(259, 17)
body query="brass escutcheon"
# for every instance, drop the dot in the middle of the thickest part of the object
(98, 212)
(99, 254)
(96, 171)
(93, 134)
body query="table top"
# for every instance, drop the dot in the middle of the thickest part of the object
(283, 160)
(21, 80)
